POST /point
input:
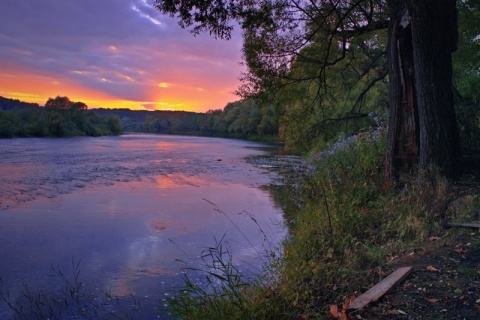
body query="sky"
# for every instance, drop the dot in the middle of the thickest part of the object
(112, 54)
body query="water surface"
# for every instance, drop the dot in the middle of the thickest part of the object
(133, 210)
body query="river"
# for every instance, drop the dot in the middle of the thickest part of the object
(130, 211)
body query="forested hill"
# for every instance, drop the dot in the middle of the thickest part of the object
(9, 104)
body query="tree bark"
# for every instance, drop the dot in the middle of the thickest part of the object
(403, 128)
(423, 132)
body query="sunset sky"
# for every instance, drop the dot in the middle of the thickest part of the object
(113, 54)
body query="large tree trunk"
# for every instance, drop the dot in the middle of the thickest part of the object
(423, 131)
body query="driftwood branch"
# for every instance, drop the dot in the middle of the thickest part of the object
(380, 289)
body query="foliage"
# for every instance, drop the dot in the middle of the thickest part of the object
(240, 119)
(314, 65)
(60, 118)
(321, 66)
(323, 61)
(276, 32)
(9, 104)
(350, 222)
(356, 88)
(466, 66)
(351, 218)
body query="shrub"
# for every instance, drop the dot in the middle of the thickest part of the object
(349, 221)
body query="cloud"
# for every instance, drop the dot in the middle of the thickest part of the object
(146, 16)
(123, 49)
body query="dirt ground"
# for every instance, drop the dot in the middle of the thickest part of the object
(445, 282)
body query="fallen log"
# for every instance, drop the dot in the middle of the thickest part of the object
(380, 289)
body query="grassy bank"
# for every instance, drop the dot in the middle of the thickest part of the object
(349, 224)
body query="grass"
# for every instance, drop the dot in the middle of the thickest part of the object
(350, 221)
(71, 302)
(218, 289)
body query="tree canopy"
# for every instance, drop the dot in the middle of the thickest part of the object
(334, 56)
(280, 33)
(60, 117)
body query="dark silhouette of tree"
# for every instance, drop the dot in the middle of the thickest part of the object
(60, 117)
(421, 38)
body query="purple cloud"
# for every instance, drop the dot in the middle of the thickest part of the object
(124, 48)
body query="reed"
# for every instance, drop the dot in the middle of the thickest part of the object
(72, 301)
(349, 223)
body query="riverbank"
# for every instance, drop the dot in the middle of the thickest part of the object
(350, 229)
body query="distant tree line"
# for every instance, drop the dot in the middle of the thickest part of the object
(240, 119)
(59, 118)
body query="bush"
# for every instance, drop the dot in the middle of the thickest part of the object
(350, 220)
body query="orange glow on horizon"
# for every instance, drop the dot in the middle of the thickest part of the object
(29, 86)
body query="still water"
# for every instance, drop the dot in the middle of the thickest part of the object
(132, 211)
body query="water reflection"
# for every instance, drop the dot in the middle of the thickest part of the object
(147, 207)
